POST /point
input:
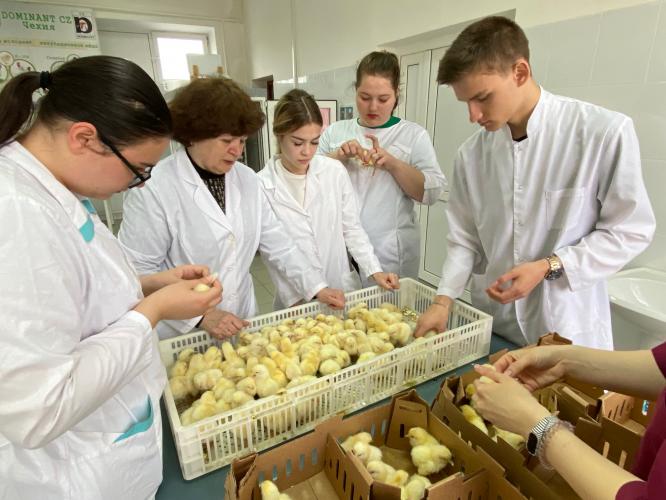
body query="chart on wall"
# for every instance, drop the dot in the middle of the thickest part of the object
(36, 37)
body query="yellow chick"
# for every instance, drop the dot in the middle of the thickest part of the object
(207, 379)
(366, 452)
(212, 354)
(197, 364)
(270, 492)
(473, 418)
(239, 398)
(181, 387)
(186, 354)
(400, 333)
(310, 363)
(415, 488)
(430, 458)
(380, 471)
(229, 351)
(329, 366)
(366, 356)
(186, 417)
(398, 478)
(222, 385)
(419, 436)
(361, 437)
(178, 369)
(203, 410)
(266, 386)
(222, 406)
(300, 380)
(247, 385)
(515, 440)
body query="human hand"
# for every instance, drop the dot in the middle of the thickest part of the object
(522, 278)
(388, 281)
(222, 324)
(379, 157)
(331, 296)
(180, 301)
(353, 149)
(506, 403)
(534, 367)
(153, 282)
(436, 317)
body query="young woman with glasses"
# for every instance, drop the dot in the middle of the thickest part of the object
(81, 375)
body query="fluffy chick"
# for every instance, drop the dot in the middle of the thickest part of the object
(430, 458)
(415, 488)
(270, 492)
(419, 436)
(474, 418)
(361, 437)
(380, 471)
(515, 440)
(266, 386)
(366, 452)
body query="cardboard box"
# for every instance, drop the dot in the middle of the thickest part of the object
(334, 474)
(473, 474)
(312, 467)
(628, 411)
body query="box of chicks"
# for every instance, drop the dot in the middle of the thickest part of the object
(397, 451)
(294, 368)
(584, 406)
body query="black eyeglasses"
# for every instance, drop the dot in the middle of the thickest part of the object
(140, 178)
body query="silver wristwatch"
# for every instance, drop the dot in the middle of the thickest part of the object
(555, 269)
(535, 438)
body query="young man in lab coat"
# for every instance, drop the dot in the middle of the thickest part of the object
(547, 202)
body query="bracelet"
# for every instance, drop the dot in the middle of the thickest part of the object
(546, 437)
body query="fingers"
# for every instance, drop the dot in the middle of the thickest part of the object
(506, 296)
(488, 372)
(504, 362)
(375, 141)
(430, 320)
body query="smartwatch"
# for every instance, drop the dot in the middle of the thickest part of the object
(536, 435)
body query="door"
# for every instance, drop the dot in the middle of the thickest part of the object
(448, 124)
(413, 92)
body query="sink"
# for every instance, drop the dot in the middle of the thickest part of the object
(638, 308)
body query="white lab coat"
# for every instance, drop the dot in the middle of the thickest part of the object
(175, 220)
(573, 188)
(387, 213)
(325, 225)
(79, 368)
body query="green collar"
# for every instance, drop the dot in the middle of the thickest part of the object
(391, 121)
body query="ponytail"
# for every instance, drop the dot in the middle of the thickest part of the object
(113, 94)
(16, 105)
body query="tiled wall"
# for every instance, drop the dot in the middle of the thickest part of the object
(616, 59)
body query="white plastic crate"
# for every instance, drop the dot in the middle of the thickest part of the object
(214, 442)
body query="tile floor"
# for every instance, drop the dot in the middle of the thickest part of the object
(263, 286)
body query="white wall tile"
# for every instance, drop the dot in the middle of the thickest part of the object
(625, 42)
(573, 46)
(540, 48)
(657, 67)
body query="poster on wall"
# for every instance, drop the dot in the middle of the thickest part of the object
(37, 37)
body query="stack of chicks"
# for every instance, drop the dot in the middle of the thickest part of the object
(279, 357)
(428, 455)
(473, 417)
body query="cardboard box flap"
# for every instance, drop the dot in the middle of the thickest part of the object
(348, 481)
(553, 338)
(614, 441)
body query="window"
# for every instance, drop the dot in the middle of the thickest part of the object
(172, 49)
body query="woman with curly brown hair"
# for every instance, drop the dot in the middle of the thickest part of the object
(204, 206)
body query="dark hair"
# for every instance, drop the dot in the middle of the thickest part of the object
(380, 63)
(113, 94)
(492, 44)
(294, 110)
(209, 107)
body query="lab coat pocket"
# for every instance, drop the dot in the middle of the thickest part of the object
(124, 465)
(563, 207)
